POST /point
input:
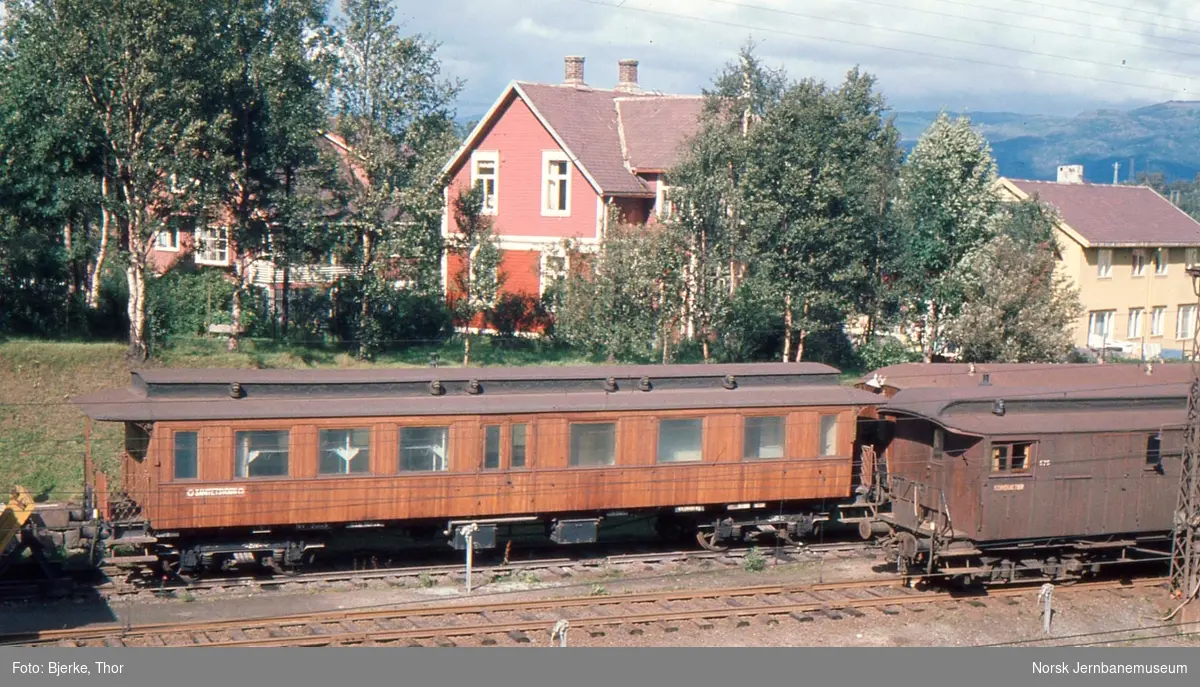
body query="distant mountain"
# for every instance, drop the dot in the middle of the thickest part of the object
(1158, 138)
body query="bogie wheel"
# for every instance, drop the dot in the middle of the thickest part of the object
(709, 541)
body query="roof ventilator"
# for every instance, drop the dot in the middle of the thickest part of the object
(610, 384)
(644, 384)
(998, 408)
(474, 388)
(436, 388)
(730, 382)
(235, 390)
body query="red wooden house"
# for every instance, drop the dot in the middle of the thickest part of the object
(558, 161)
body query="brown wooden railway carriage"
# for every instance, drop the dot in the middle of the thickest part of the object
(997, 484)
(265, 465)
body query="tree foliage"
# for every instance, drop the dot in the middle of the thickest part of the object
(477, 283)
(947, 198)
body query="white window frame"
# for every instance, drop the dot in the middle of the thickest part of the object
(1162, 259)
(1191, 257)
(1189, 308)
(167, 240)
(664, 208)
(1104, 258)
(548, 157)
(493, 157)
(547, 274)
(1134, 330)
(1137, 263)
(212, 256)
(1158, 320)
(1106, 316)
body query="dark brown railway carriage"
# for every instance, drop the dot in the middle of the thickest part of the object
(232, 464)
(1005, 483)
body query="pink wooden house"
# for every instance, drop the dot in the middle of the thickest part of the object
(557, 161)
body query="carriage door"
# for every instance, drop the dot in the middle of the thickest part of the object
(1159, 479)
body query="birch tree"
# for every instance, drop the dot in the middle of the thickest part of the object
(395, 111)
(478, 280)
(141, 70)
(947, 199)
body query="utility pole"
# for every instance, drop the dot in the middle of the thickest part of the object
(1185, 549)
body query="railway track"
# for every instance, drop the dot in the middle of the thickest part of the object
(117, 588)
(512, 622)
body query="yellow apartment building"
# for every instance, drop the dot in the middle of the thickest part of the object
(1126, 248)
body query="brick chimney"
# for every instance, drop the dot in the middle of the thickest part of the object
(573, 68)
(627, 76)
(1070, 174)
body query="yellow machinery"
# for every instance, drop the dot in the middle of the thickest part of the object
(15, 515)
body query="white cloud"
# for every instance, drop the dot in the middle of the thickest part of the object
(927, 53)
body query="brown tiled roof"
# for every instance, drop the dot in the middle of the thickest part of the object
(612, 133)
(1106, 215)
(959, 375)
(655, 130)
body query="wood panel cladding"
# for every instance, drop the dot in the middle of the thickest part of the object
(546, 485)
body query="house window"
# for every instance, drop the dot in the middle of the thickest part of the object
(1154, 451)
(680, 441)
(1158, 318)
(556, 184)
(829, 445)
(344, 452)
(491, 447)
(762, 437)
(553, 271)
(185, 455)
(423, 449)
(167, 239)
(1162, 257)
(485, 174)
(1135, 323)
(593, 444)
(262, 453)
(664, 205)
(1185, 324)
(1104, 263)
(1139, 263)
(1190, 257)
(1100, 325)
(517, 445)
(212, 246)
(1011, 457)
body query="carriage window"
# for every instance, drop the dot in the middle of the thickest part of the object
(491, 447)
(939, 444)
(829, 445)
(423, 449)
(1011, 457)
(680, 441)
(517, 446)
(345, 452)
(1154, 451)
(593, 444)
(262, 453)
(185, 455)
(762, 437)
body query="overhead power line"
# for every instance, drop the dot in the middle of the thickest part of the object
(826, 39)
(963, 41)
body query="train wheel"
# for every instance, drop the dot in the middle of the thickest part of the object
(709, 541)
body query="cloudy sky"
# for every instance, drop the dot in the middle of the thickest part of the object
(1052, 57)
